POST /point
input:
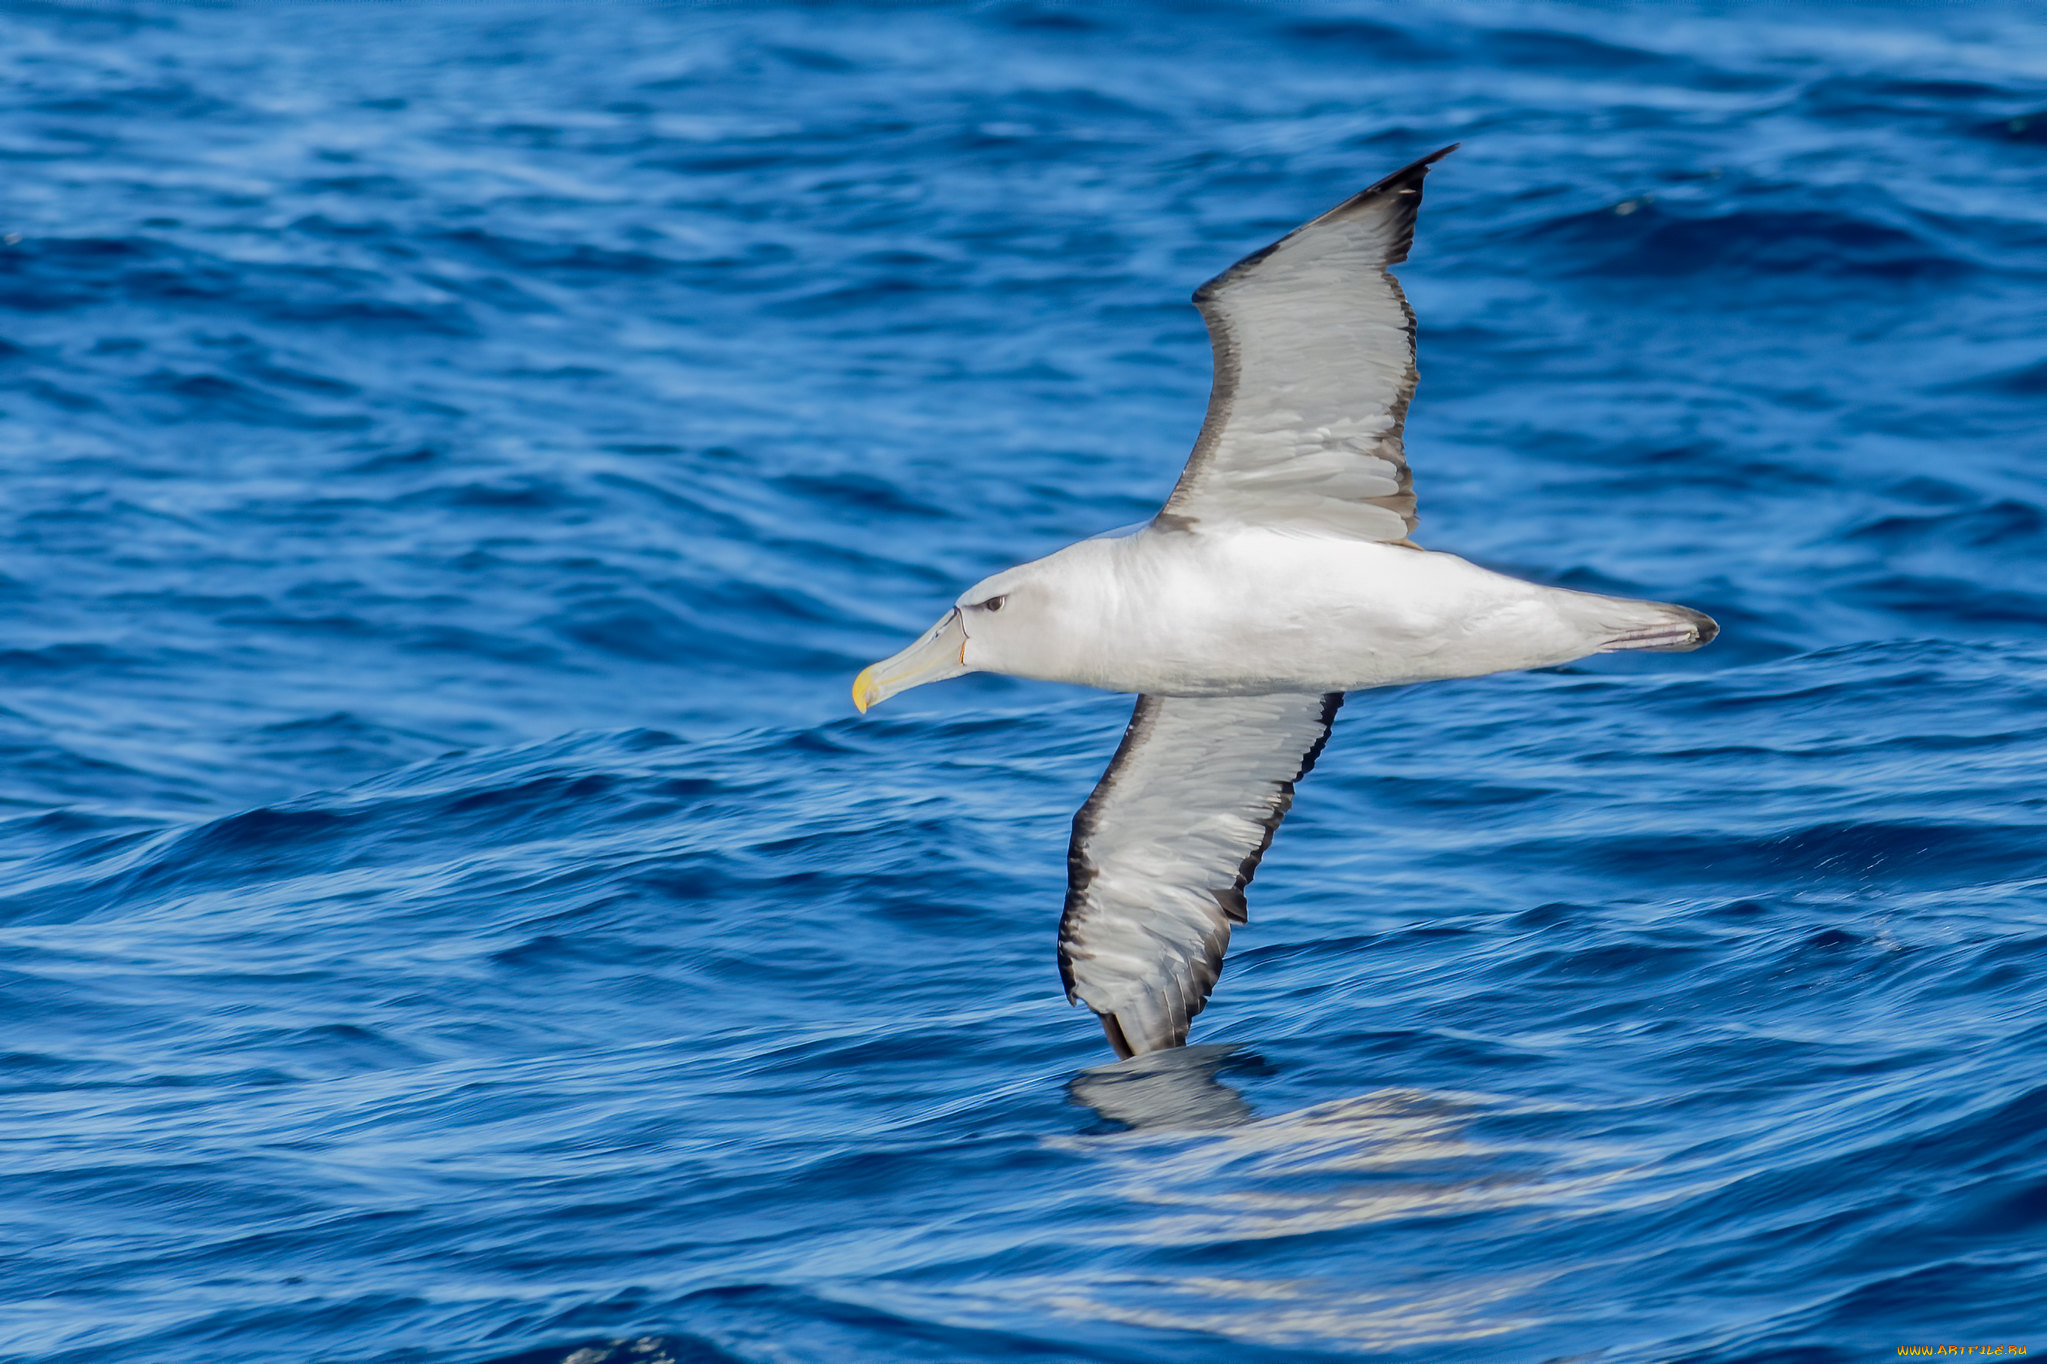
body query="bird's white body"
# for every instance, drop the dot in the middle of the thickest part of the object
(1248, 611)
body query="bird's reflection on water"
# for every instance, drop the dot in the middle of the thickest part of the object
(1189, 1164)
(1177, 1089)
(1207, 1216)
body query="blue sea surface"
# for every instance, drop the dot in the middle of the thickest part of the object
(456, 456)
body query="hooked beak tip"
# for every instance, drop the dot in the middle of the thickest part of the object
(865, 692)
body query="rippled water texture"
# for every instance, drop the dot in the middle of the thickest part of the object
(456, 456)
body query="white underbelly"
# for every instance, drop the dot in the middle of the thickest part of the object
(1262, 612)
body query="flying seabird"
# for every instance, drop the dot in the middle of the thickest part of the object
(1281, 573)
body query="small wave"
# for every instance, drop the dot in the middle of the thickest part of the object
(216, 397)
(2027, 381)
(2029, 127)
(659, 1349)
(1649, 239)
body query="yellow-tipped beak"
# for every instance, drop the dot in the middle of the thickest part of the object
(940, 653)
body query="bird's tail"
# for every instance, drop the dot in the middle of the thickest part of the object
(1661, 627)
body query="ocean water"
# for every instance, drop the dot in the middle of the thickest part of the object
(457, 454)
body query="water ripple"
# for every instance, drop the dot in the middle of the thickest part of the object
(459, 455)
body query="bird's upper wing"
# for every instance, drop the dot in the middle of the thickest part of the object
(1314, 367)
(1164, 847)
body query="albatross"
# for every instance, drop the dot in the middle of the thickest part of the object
(1281, 573)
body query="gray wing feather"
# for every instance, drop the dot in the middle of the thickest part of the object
(1164, 847)
(1314, 369)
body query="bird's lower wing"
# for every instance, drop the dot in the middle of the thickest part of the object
(1164, 847)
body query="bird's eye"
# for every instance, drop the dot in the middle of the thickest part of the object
(994, 603)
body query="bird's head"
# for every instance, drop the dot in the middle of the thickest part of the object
(1020, 621)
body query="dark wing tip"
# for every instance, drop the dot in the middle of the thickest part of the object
(1406, 180)
(1407, 177)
